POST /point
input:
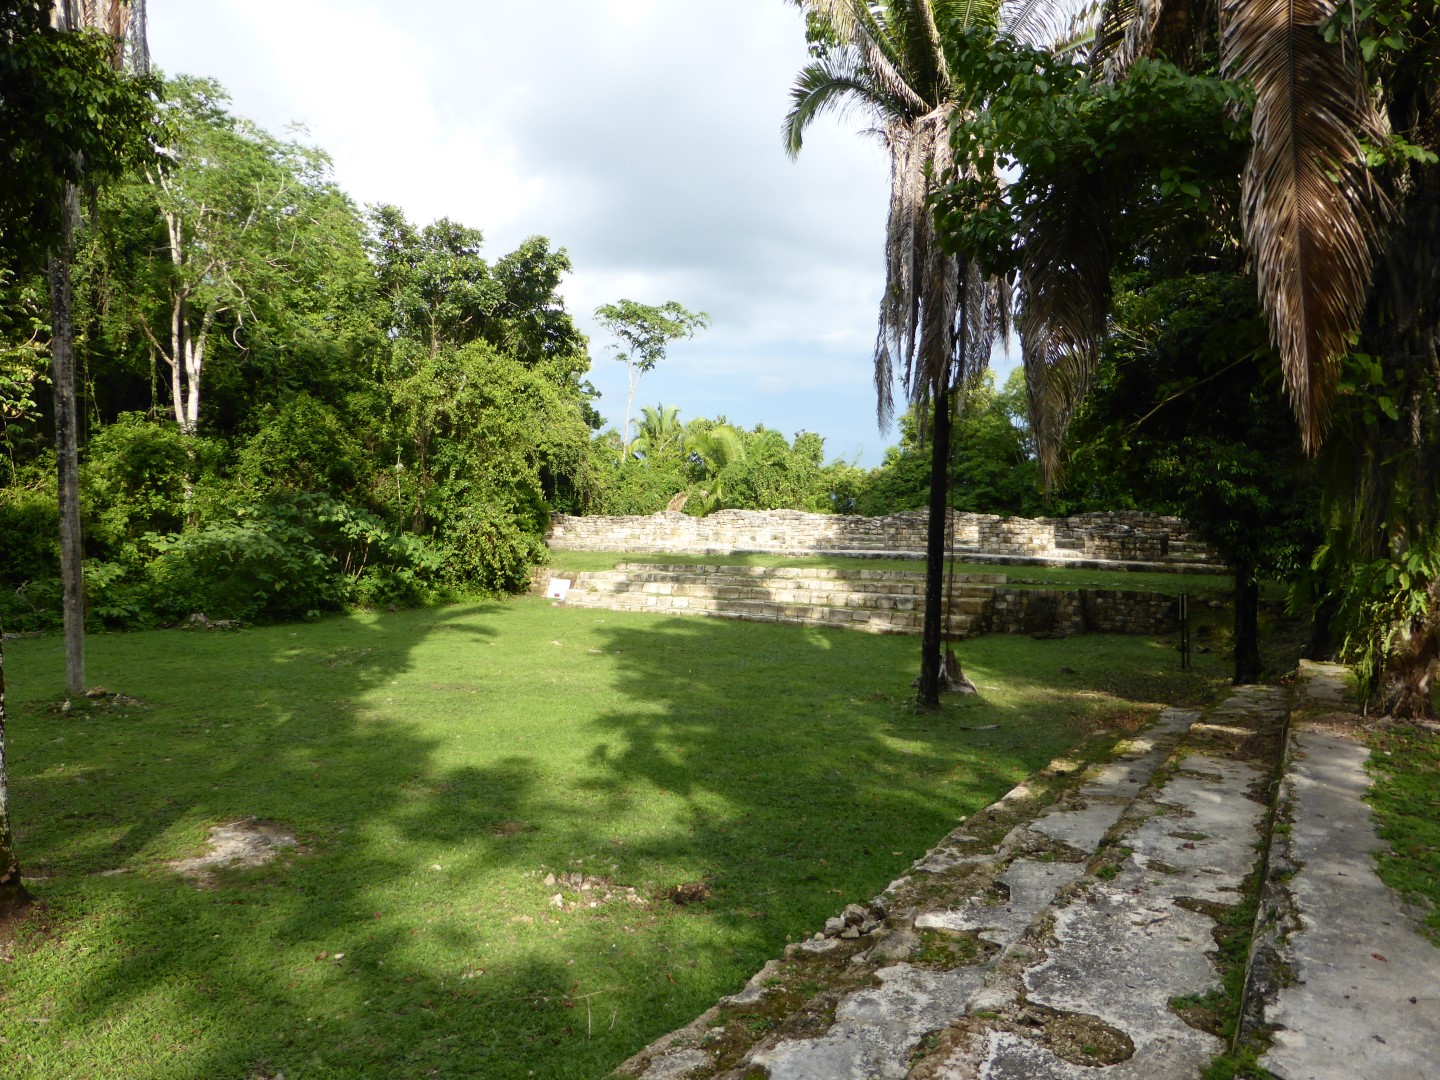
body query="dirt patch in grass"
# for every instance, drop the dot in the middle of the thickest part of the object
(245, 843)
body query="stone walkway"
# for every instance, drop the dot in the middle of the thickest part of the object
(1364, 986)
(1063, 932)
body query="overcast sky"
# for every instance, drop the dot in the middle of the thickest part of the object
(641, 135)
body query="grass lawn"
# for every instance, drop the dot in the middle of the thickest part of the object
(1405, 762)
(1049, 577)
(436, 765)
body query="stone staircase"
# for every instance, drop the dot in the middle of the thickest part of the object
(878, 601)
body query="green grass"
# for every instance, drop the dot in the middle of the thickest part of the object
(436, 764)
(1049, 577)
(1406, 798)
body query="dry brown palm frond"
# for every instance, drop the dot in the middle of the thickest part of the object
(916, 337)
(1312, 211)
(122, 20)
(1066, 285)
(1054, 391)
(1132, 29)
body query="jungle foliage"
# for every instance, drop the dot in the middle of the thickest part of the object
(291, 404)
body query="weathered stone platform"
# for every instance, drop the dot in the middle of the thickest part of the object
(1117, 539)
(878, 601)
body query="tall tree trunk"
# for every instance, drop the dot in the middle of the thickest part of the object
(1247, 625)
(62, 352)
(932, 641)
(12, 891)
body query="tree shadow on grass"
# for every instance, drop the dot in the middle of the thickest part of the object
(435, 767)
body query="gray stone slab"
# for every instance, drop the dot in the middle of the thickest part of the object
(676, 1065)
(1081, 829)
(1349, 1012)
(1121, 958)
(1209, 848)
(1326, 686)
(1126, 948)
(875, 1029)
(1033, 886)
(1140, 756)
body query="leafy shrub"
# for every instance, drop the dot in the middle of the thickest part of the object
(30, 567)
(488, 548)
(136, 479)
(638, 487)
(301, 446)
(285, 559)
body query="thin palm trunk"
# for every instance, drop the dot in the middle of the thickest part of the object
(933, 630)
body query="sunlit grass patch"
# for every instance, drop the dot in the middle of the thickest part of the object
(454, 778)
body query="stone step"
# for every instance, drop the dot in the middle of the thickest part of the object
(976, 584)
(888, 588)
(804, 571)
(968, 603)
(877, 621)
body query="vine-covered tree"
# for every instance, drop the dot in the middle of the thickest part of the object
(1334, 199)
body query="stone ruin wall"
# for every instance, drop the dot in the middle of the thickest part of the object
(1116, 535)
(1063, 612)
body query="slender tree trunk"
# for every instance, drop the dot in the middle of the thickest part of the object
(62, 352)
(1247, 625)
(932, 640)
(633, 382)
(12, 891)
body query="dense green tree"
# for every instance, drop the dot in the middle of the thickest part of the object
(260, 252)
(1341, 166)
(488, 422)
(992, 467)
(383, 411)
(642, 333)
(1187, 416)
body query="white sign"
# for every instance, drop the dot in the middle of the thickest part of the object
(557, 588)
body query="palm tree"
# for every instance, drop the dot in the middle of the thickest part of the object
(660, 430)
(712, 448)
(939, 315)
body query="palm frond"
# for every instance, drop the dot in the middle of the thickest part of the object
(884, 60)
(1131, 29)
(1312, 211)
(1065, 280)
(833, 83)
(1048, 23)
